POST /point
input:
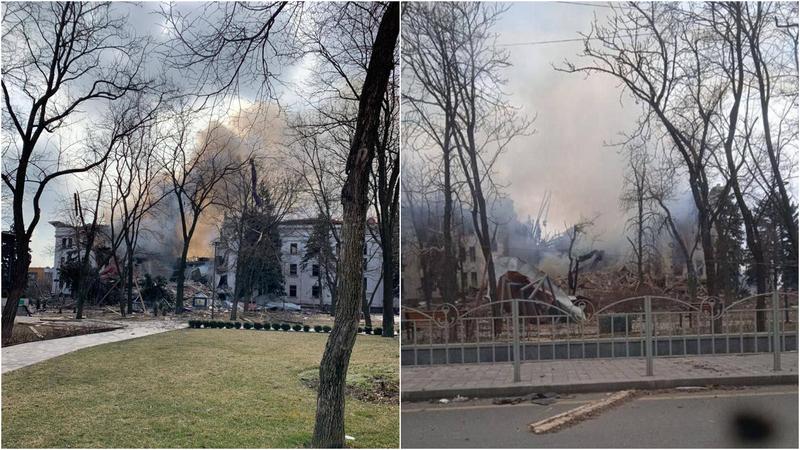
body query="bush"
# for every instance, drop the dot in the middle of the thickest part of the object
(229, 325)
(360, 330)
(237, 325)
(326, 329)
(318, 328)
(248, 326)
(220, 324)
(267, 326)
(192, 324)
(297, 327)
(258, 326)
(276, 326)
(368, 330)
(306, 328)
(285, 327)
(377, 331)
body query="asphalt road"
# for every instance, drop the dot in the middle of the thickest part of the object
(706, 419)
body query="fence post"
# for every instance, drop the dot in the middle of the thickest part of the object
(515, 332)
(776, 333)
(648, 335)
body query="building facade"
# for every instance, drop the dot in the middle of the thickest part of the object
(70, 241)
(301, 280)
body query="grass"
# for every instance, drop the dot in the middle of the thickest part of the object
(190, 388)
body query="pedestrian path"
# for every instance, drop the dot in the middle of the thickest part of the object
(593, 375)
(21, 355)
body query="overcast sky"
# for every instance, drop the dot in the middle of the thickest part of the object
(144, 19)
(576, 118)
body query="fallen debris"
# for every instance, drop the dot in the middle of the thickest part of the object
(574, 415)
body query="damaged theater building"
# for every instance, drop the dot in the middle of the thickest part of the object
(307, 282)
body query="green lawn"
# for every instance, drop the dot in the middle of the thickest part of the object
(190, 388)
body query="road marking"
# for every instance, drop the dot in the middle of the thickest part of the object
(720, 395)
(575, 414)
(490, 406)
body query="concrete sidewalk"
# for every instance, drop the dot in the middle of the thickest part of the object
(593, 375)
(22, 355)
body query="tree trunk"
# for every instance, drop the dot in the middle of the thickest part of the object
(180, 278)
(129, 282)
(329, 425)
(19, 281)
(388, 281)
(450, 289)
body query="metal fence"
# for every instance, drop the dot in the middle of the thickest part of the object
(516, 330)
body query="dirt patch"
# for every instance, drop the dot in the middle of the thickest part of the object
(367, 383)
(29, 332)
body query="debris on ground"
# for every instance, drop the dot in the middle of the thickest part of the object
(580, 413)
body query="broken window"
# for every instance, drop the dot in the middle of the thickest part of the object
(473, 279)
(293, 269)
(365, 264)
(293, 249)
(223, 281)
(315, 270)
(292, 290)
(315, 291)
(472, 253)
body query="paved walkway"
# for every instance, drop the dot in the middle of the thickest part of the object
(592, 375)
(22, 355)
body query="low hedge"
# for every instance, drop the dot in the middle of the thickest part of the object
(377, 331)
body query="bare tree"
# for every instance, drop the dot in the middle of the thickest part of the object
(428, 55)
(136, 190)
(57, 58)
(652, 49)
(329, 426)
(197, 170)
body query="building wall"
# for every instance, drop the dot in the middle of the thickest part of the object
(67, 248)
(301, 282)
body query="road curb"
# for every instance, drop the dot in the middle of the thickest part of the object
(605, 386)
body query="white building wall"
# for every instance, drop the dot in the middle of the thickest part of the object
(293, 246)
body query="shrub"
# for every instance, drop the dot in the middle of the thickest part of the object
(285, 327)
(220, 324)
(297, 327)
(377, 331)
(248, 326)
(368, 330)
(237, 325)
(326, 329)
(360, 330)
(229, 325)
(318, 328)
(267, 326)
(192, 324)
(258, 326)
(276, 326)
(306, 328)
